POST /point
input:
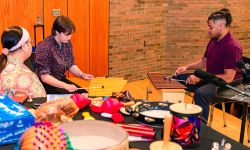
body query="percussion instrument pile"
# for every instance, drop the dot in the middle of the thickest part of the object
(180, 122)
(61, 109)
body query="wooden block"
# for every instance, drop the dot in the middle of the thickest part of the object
(169, 95)
(164, 90)
(101, 86)
(109, 85)
(79, 81)
(159, 81)
(173, 95)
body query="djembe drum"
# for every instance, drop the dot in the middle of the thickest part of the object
(186, 125)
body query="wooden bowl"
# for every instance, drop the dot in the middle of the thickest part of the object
(93, 135)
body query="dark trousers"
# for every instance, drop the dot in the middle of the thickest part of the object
(204, 93)
(203, 96)
(54, 90)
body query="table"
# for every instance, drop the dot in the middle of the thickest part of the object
(231, 95)
(208, 135)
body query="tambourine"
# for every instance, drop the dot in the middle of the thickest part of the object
(151, 113)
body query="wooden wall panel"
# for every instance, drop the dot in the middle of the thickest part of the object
(49, 5)
(20, 12)
(99, 12)
(78, 12)
(90, 41)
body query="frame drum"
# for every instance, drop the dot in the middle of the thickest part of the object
(151, 113)
(186, 124)
(96, 135)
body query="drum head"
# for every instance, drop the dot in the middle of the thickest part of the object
(152, 113)
(185, 110)
(93, 135)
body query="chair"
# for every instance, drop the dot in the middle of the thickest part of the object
(190, 92)
(30, 62)
(246, 78)
(246, 81)
(222, 102)
(211, 112)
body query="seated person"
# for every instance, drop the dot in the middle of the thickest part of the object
(54, 56)
(221, 55)
(14, 75)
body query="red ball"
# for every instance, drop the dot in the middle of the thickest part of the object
(80, 100)
(117, 117)
(111, 105)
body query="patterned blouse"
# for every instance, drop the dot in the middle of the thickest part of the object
(53, 59)
(17, 76)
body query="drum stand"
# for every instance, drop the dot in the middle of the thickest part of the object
(239, 91)
(244, 97)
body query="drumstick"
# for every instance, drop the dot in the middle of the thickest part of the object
(92, 87)
(167, 127)
(170, 77)
(179, 80)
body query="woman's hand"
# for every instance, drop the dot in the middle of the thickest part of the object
(192, 79)
(70, 88)
(87, 76)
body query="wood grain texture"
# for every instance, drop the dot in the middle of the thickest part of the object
(90, 41)
(20, 13)
(78, 12)
(159, 81)
(99, 37)
(49, 5)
